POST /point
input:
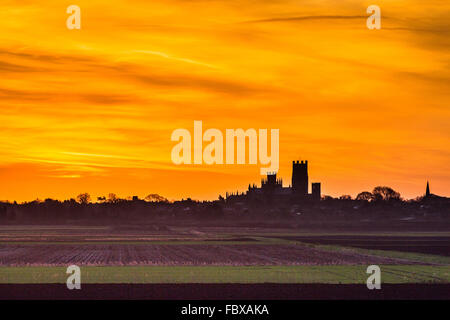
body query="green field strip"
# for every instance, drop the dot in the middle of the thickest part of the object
(414, 274)
(336, 274)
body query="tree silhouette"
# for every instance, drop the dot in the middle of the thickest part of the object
(364, 196)
(112, 198)
(345, 197)
(155, 198)
(383, 193)
(84, 198)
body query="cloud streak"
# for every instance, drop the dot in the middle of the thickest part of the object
(307, 18)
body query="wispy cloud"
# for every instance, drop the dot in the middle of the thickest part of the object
(305, 18)
(166, 56)
(98, 155)
(65, 176)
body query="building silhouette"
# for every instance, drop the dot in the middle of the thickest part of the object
(315, 191)
(272, 189)
(300, 177)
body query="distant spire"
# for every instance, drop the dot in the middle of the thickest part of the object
(427, 194)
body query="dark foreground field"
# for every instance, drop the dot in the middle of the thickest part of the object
(226, 291)
(430, 245)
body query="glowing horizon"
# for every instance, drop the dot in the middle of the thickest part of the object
(92, 110)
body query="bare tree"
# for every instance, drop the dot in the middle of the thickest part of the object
(113, 198)
(84, 198)
(155, 198)
(383, 193)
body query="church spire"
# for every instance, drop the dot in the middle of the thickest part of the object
(427, 194)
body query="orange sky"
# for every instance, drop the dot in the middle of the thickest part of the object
(92, 110)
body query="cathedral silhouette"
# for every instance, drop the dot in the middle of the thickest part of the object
(273, 188)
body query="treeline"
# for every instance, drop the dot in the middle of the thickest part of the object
(109, 209)
(380, 193)
(382, 201)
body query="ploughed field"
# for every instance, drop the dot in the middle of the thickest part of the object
(151, 245)
(184, 254)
